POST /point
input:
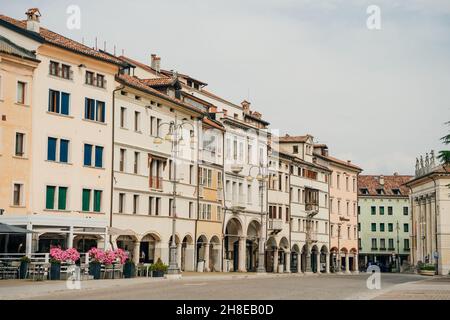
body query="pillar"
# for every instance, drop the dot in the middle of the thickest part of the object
(189, 258)
(318, 262)
(327, 263)
(29, 240)
(299, 262)
(308, 262)
(275, 260)
(242, 254)
(136, 252)
(70, 238)
(356, 263)
(347, 262)
(206, 257)
(287, 262)
(179, 255)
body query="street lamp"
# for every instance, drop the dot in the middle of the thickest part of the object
(174, 136)
(262, 177)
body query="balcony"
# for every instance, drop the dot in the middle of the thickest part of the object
(276, 225)
(155, 183)
(237, 168)
(311, 208)
(238, 205)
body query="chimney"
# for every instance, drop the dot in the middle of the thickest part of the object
(381, 180)
(155, 63)
(33, 23)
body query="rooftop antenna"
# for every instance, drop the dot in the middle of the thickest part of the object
(104, 46)
(114, 49)
(96, 48)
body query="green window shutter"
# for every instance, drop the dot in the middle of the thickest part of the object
(50, 198)
(86, 200)
(62, 198)
(97, 200)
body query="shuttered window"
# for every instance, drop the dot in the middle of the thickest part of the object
(88, 155)
(97, 200)
(86, 200)
(50, 198)
(99, 157)
(62, 198)
(51, 149)
(64, 151)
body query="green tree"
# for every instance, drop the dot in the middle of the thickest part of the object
(444, 155)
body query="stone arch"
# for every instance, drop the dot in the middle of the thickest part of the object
(234, 246)
(215, 250)
(83, 243)
(187, 253)
(150, 247)
(284, 244)
(253, 229)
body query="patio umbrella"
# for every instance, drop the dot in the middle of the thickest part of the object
(7, 229)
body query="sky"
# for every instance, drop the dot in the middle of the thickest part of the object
(377, 97)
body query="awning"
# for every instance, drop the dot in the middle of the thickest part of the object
(8, 229)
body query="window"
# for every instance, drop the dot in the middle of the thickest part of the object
(396, 192)
(19, 145)
(346, 184)
(136, 163)
(21, 89)
(405, 227)
(54, 68)
(94, 110)
(18, 194)
(58, 102)
(86, 200)
(390, 227)
(51, 198)
(98, 161)
(382, 227)
(374, 244)
(374, 227)
(89, 78)
(348, 232)
(406, 244)
(382, 244)
(390, 211)
(137, 121)
(135, 203)
(338, 181)
(88, 155)
(97, 200)
(122, 160)
(98, 157)
(381, 211)
(66, 73)
(364, 191)
(101, 81)
(391, 244)
(123, 117)
(380, 191)
(405, 211)
(121, 202)
(191, 210)
(359, 209)
(52, 149)
(295, 149)
(249, 194)
(359, 226)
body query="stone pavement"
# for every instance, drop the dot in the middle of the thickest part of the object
(433, 288)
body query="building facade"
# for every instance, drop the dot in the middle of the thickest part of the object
(430, 205)
(384, 221)
(343, 211)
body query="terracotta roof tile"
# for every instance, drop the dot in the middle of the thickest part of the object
(158, 82)
(63, 42)
(372, 184)
(288, 138)
(338, 161)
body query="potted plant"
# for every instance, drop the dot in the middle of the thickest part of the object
(158, 269)
(129, 269)
(24, 262)
(427, 269)
(96, 257)
(57, 256)
(72, 256)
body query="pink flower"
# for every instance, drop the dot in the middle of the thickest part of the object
(72, 255)
(121, 255)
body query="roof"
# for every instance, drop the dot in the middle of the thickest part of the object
(288, 138)
(137, 83)
(439, 170)
(338, 161)
(60, 41)
(8, 47)
(141, 65)
(213, 123)
(159, 82)
(372, 184)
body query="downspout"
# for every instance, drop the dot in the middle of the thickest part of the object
(112, 160)
(290, 217)
(198, 200)
(223, 198)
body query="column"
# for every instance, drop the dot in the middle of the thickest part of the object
(347, 262)
(136, 252)
(189, 258)
(318, 262)
(242, 254)
(299, 263)
(308, 262)
(179, 255)
(287, 262)
(70, 238)
(356, 263)
(206, 257)
(29, 240)
(275, 260)
(327, 263)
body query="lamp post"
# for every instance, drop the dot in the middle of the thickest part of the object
(262, 177)
(176, 138)
(398, 248)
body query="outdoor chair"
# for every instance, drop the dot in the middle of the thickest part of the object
(10, 270)
(38, 271)
(108, 269)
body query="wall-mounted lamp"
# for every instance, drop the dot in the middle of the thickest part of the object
(2, 211)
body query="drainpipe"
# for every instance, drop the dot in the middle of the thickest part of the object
(435, 222)
(198, 200)
(223, 199)
(112, 160)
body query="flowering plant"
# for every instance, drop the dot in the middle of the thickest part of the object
(57, 255)
(96, 255)
(121, 255)
(72, 255)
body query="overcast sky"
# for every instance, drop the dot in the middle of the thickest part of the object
(377, 97)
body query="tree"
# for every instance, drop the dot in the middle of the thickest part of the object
(444, 155)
